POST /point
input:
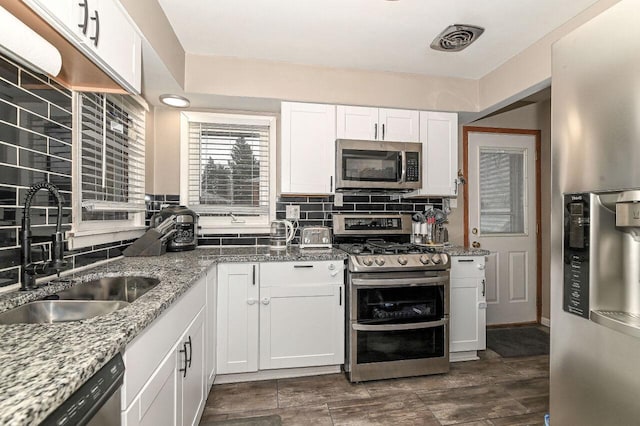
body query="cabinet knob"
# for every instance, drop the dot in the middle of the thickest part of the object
(251, 301)
(481, 266)
(265, 301)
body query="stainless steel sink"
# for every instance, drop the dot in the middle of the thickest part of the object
(122, 288)
(50, 311)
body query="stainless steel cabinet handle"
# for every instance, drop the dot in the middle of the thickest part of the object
(303, 266)
(455, 187)
(331, 184)
(254, 275)
(392, 327)
(340, 304)
(85, 20)
(484, 287)
(375, 130)
(382, 131)
(96, 36)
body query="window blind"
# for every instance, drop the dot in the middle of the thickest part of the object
(228, 169)
(111, 156)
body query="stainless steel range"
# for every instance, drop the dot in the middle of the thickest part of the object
(397, 297)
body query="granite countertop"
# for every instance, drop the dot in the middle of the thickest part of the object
(41, 365)
(465, 251)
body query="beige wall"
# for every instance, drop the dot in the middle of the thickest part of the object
(303, 83)
(537, 117)
(166, 174)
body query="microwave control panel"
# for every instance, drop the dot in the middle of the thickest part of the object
(413, 167)
(576, 254)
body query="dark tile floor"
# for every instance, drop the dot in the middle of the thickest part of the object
(491, 391)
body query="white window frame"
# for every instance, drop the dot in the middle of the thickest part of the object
(88, 233)
(226, 224)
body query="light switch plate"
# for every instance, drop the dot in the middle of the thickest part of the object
(338, 199)
(293, 212)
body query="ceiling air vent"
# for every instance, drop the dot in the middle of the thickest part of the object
(456, 37)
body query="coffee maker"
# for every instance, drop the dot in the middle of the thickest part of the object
(185, 221)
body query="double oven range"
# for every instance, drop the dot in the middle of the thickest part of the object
(397, 321)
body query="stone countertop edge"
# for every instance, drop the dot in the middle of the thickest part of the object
(465, 251)
(41, 365)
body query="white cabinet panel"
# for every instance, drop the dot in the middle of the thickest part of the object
(191, 350)
(237, 317)
(301, 326)
(399, 125)
(468, 304)
(377, 124)
(357, 122)
(307, 163)
(211, 325)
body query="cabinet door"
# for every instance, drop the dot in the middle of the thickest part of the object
(357, 123)
(211, 328)
(156, 403)
(308, 148)
(237, 318)
(399, 125)
(191, 351)
(117, 43)
(69, 17)
(301, 326)
(439, 136)
(468, 315)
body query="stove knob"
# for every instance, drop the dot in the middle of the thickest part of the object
(444, 258)
(425, 259)
(367, 261)
(402, 260)
(436, 258)
(379, 261)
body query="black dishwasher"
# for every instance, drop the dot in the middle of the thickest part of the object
(96, 403)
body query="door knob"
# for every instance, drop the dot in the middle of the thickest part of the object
(474, 231)
(475, 244)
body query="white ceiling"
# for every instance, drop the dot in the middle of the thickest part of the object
(377, 35)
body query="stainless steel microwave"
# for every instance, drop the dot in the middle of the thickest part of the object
(363, 164)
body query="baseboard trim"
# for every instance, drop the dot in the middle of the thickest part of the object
(463, 356)
(285, 373)
(545, 321)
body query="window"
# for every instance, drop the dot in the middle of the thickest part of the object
(502, 194)
(109, 177)
(228, 170)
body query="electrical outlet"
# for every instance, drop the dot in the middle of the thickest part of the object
(293, 212)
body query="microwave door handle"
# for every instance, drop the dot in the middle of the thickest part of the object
(403, 165)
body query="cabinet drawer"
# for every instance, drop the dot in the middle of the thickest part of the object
(467, 266)
(297, 273)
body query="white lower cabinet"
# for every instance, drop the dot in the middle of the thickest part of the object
(165, 375)
(468, 307)
(280, 315)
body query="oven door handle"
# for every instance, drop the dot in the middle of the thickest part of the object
(396, 282)
(395, 327)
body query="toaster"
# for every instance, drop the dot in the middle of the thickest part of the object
(315, 237)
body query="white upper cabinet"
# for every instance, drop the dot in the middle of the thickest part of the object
(439, 137)
(377, 124)
(102, 31)
(307, 155)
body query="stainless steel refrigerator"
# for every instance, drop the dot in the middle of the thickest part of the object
(595, 369)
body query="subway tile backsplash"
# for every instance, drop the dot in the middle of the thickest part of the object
(35, 146)
(314, 211)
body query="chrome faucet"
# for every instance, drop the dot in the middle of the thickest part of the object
(57, 262)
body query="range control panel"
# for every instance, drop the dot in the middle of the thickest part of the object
(576, 254)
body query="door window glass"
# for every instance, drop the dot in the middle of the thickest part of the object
(502, 191)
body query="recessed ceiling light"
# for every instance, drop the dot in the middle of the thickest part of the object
(175, 101)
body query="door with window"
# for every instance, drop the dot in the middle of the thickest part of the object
(502, 219)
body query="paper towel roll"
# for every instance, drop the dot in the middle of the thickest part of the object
(22, 44)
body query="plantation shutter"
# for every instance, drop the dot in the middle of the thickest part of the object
(228, 169)
(111, 156)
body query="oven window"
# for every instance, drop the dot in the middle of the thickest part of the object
(384, 346)
(374, 166)
(399, 305)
